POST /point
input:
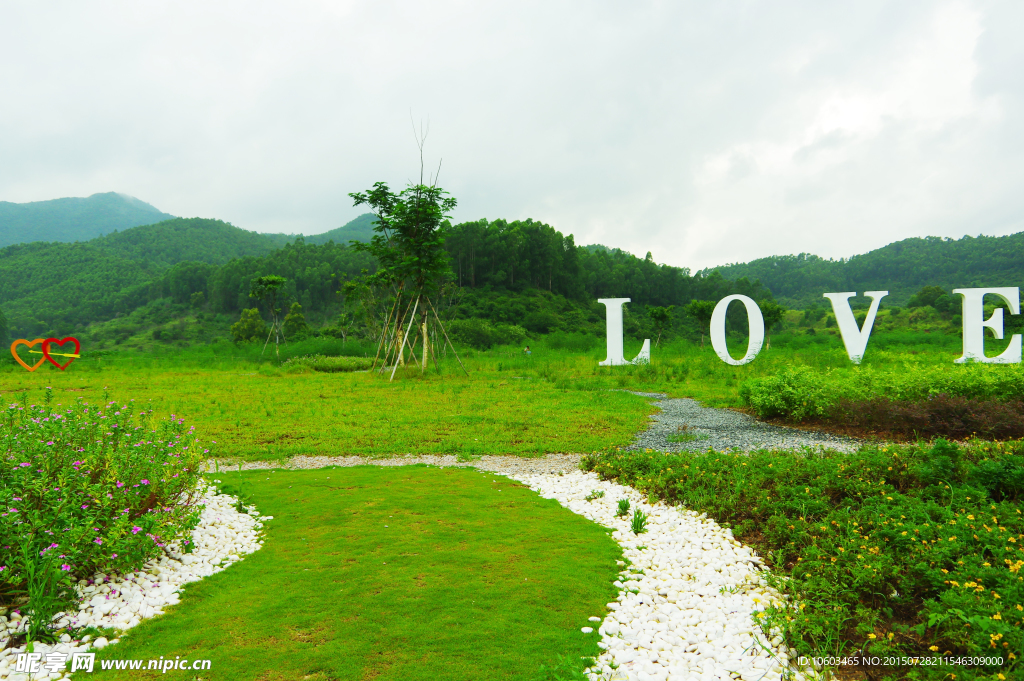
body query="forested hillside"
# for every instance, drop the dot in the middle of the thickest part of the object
(73, 219)
(185, 266)
(508, 275)
(902, 268)
(359, 229)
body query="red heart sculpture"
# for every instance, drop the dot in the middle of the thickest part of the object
(46, 351)
(30, 344)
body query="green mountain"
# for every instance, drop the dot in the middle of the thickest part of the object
(359, 229)
(180, 239)
(902, 268)
(49, 286)
(73, 219)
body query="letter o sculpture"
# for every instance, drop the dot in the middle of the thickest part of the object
(754, 320)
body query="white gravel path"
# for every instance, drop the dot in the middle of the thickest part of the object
(689, 599)
(121, 602)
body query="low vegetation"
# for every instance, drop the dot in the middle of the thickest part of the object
(904, 398)
(892, 550)
(87, 488)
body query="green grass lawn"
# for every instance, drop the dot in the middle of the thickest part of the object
(255, 412)
(392, 573)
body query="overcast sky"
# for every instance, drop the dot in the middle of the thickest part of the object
(704, 132)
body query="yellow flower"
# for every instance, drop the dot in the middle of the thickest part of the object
(934, 649)
(997, 616)
(872, 637)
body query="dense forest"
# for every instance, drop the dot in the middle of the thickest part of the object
(183, 266)
(508, 278)
(73, 219)
(902, 268)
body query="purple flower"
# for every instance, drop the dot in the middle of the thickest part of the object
(145, 482)
(85, 506)
(98, 540)
(65, 568)
(120, 484)
(25, 465)
(136, 530)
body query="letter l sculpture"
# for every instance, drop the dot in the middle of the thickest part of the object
(613, 319)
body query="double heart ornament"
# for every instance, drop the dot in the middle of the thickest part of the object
(47, 354)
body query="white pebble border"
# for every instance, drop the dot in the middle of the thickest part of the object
(120, 602)
(694, 614)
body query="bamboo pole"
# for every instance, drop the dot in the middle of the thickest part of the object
(407, 333)
(441, 324)
(387, 325)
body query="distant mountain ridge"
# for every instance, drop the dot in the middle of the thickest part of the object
(359, 229)
(902, 268)
(74, 219)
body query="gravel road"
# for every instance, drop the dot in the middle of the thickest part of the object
(703, 428)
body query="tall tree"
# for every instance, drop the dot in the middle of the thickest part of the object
(701, 310)
(263, 288)
(662, 317)
(772, 313)
(408, 245)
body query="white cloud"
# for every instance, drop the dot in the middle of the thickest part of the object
(703, 132)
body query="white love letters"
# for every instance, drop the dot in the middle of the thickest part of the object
(855, 337)
(754, 320)
(975, 323)
(613, 337)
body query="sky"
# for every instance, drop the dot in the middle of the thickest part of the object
(705, 133)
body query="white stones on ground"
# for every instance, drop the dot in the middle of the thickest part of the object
(688, 602)
(120, 602)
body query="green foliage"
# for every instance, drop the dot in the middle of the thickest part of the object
(623, 508)
(73, 219)
(800, 393)
(638, 523)
(357, 229)
(48, 587)
(295, 325)
(4, 329)
(478, 333)
(701, 310)
(595, 494)
(250, 327)
(327, 364)
(772, 313)
(100, 488)
(917, 541)
(926, 297)
(408, 244)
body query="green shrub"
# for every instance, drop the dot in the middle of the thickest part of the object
(327, 364)
(480, 334)
(89, 489)
(249, 327)
(802, 393)
(894, 550)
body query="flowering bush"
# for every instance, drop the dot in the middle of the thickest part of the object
(895, 550)
(90, 488)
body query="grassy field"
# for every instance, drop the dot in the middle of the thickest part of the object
(393, 573)
(557, 400)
